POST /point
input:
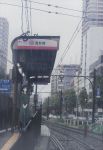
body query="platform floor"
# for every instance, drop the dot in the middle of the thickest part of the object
(33, 139)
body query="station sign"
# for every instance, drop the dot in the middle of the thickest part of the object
(37, 43)
(98, 93)
(5, 86)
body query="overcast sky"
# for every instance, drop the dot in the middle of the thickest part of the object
(47, 24)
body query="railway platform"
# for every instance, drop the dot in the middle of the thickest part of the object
(4, 137)
(29, 140)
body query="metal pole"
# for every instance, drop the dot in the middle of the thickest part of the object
(94, 98)
(15, 87)
(61, 103)
(77, 101)
(48, 109)
(35, 97)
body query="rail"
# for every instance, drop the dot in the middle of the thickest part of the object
(56, 142)
(73, 133)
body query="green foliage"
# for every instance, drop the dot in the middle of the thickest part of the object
(70, 100)
(83, 98)
(53, 104)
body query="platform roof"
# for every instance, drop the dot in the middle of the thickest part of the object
(36, 55)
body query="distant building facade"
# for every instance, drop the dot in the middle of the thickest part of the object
(92, 33)
(4, 31)
(98, 65)
(63, 81)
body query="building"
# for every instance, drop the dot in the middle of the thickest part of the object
(64, 79)
(92, 33)
(98, 65)
(4, 29)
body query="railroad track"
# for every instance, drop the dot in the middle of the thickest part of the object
(64, 138)
(56, 142)
(74, 130)
(89, 143)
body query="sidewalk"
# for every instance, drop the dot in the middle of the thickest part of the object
(4, 137)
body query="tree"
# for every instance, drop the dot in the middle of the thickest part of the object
(55, 104)
(70, 100)
(83, 97)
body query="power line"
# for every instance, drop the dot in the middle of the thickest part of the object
(55, 6)
(60, 7)
(71, 40)
(22, 12)
(75, 33)
(41, 10)
(27, 14)
(30, 18)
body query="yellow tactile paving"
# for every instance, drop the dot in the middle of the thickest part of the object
(11, 141)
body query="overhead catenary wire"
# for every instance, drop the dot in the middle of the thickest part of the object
(26, 17)
(73, 37)
(22, 13)
(46, 11)
(55, 6)
(75, 33)
(60, 7)
(30, 18)
(42, 10)
(27, 14)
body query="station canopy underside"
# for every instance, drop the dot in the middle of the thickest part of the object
(36, 56)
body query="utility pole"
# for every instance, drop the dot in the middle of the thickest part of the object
(61, 103)
(35, 97)
(61, 94)
(94, 97)
(15, 88)
(77, 101)
(48, 111)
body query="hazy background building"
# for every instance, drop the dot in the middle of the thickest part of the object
(92, 33)
(4, 30)
(65, 79)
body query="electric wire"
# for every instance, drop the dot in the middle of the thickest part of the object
(55, 6)
(74, 35)
(42, 10)
(22, 13)
(27, 9)
(71, 40)
(30, 18)
(46, 11)
(61, 7)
